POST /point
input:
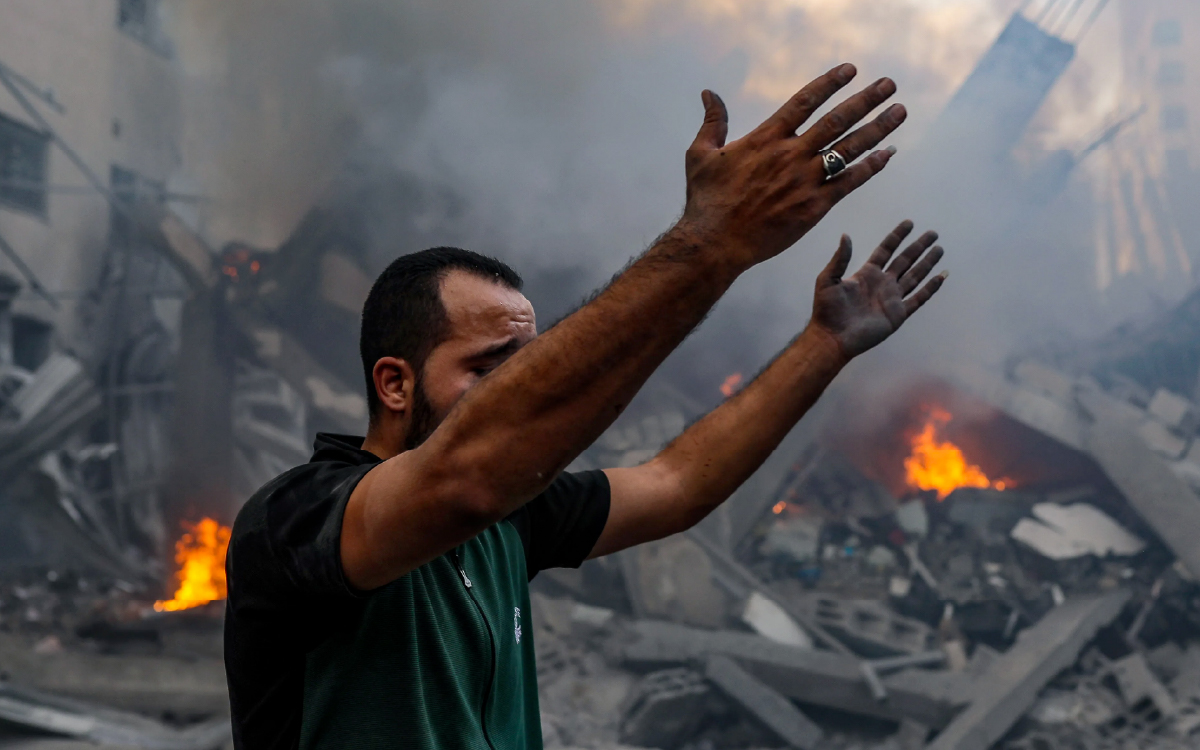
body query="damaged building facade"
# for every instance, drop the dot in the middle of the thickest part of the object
(1007, 560)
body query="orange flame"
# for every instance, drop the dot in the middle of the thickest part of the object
(732, 385)
(200, 554)
(941, 466)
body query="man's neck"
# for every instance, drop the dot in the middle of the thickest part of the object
(384, 441)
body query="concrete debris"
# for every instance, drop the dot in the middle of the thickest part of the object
(797, 539)
(772, 709)
(1161, 439)
(869, 626)
(665, 709)
(50, 403)
(1057, 604)
(820, 678)
(103, 726)
(1010, 686)
(913, 519)
(1137, 684)
(769, 620)
(1173, 411)
(1067, 532)
(1161, 498)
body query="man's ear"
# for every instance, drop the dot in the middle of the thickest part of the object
(395, 382)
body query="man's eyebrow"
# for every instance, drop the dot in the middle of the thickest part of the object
(508, 346)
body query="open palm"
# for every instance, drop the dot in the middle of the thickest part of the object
(861, 311)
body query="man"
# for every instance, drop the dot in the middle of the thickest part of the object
(378, 594)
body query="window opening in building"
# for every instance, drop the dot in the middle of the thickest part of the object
(1174, 117)
(1170, 73)
(1167, 33)
(142, 20)
(23, 157)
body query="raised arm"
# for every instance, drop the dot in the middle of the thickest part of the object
(702, 468)
(511, 434)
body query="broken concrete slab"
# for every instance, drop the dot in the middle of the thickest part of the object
(1173, 410)
(869, 626)
(129, 682)
(1067, 532)
(104, 726)
(1159, 496)
(1137, 683)
(769, 620)
(817, 677)
(1011, 685)
(1161, 439)
(1027, 403)
(766, 705)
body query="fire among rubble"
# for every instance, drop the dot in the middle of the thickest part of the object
(200, 554)
(940, 465)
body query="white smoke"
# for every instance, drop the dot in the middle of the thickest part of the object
(552, 135)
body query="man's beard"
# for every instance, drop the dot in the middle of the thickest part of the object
(424, 421)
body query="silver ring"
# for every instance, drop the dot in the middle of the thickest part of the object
(833, 162)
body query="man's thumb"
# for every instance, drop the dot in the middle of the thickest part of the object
(716, 123)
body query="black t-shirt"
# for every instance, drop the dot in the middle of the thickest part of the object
(292, 618)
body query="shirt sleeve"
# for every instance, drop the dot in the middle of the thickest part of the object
(304, 528)
(560, 526)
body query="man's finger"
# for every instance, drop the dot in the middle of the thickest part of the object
(881, 254)
(869, 136)
(838, 265)
(920, 270)
(844, 116)
(796, 111)
(716, 123)
(855, 177)
(913, 303)
(905, 259)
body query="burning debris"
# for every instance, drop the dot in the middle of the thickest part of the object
(200, 554)
(941, 466)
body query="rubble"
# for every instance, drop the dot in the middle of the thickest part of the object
(1066, 532)
(1009, 687)
(826, 606)
(1017, 615)
(768, 706)
(104, 726)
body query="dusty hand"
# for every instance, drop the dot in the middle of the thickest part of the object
(757, 196)
(861, 311)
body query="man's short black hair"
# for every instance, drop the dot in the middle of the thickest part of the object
(404, 316)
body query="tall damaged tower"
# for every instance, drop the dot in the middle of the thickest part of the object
(1149, 227)
(992, 110)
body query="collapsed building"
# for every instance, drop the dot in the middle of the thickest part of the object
(1008, 562)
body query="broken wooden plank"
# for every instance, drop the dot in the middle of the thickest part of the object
(776, 712)
(818, 677)
(1010, 686)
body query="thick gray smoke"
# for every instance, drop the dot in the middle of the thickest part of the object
(552, 135)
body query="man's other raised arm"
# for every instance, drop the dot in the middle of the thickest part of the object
(514, 432)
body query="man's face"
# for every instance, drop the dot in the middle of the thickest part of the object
(488, 323)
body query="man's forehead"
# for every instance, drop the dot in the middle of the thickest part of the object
(471, 301)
